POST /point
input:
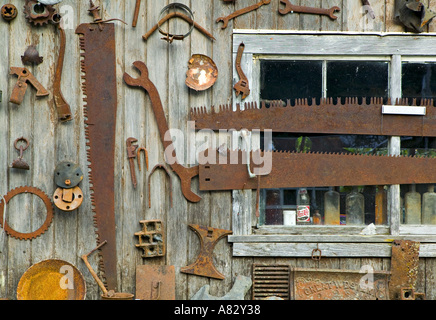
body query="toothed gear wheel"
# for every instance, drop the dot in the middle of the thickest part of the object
(48, 220)
(33, 16)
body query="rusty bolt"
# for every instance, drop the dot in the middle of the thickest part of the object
(9, 12)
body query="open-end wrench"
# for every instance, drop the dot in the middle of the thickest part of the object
(242, 86)
(185, 174)
(225, 20)
(311, 10)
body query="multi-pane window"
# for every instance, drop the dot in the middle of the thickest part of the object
(315, 77)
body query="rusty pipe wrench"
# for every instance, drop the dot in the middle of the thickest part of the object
(242, 86)
(20, 88)
(225, 20)
(290, 8)
(185, 174)
(131, 155)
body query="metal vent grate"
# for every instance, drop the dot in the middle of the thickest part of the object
(271, 281)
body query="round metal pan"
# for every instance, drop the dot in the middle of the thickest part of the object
(52, 280)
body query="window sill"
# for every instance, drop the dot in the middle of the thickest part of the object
(339, 244)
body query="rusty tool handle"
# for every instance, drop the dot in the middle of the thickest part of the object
(237, 13)
(63, 108)
(94, 275)
(136, 14)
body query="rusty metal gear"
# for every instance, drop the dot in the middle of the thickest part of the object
(39, 14)
(48, 220)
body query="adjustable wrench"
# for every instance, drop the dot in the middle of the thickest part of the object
(311, 10)
(225, 20)
(242, 86)
(185, 174)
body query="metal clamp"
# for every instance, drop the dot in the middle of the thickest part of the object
(316, 253)
(169, 37)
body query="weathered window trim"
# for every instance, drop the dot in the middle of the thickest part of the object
(277, 241)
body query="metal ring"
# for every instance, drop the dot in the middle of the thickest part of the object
(21, 139)
(48, 220)
(169, 36)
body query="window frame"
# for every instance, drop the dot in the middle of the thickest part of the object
(248, 238)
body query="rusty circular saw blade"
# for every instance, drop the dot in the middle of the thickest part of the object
(31, 235)
(48, 280)
(202, 72)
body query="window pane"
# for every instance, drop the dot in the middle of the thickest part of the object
(418, 202)
(357, 79)
(419, 80)
(282, 80)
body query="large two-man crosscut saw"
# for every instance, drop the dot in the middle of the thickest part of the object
(97, 41)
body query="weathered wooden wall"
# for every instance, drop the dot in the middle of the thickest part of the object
(72, 234)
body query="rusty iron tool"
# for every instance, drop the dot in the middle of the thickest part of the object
(225, 20)
(97, 41)
(24, 77)
(185, 174)
(290, 8)
(242, 87)
(20, 163)
(404, 267)
(107, 294)
(63, 108)
(155, 282)
(178, 15)
(131, 155)
(136, 14)
(159, 166)
(343, 117)
(368, 8)
(21, 235)
(138, 154)
(311, 169)
(203, 265)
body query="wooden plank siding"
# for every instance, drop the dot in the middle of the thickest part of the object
(72, 234)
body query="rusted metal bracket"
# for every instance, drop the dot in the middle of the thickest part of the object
(346, 116)
(225, 20)
(290, 8)
(151, 238)
(404, 267)
(204, 266)
(307, 169)
(24, 77)
(185, 174)
(242, 87)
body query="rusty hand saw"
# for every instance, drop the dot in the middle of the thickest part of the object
(97, 41)
(310, 169)
(348, 117)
